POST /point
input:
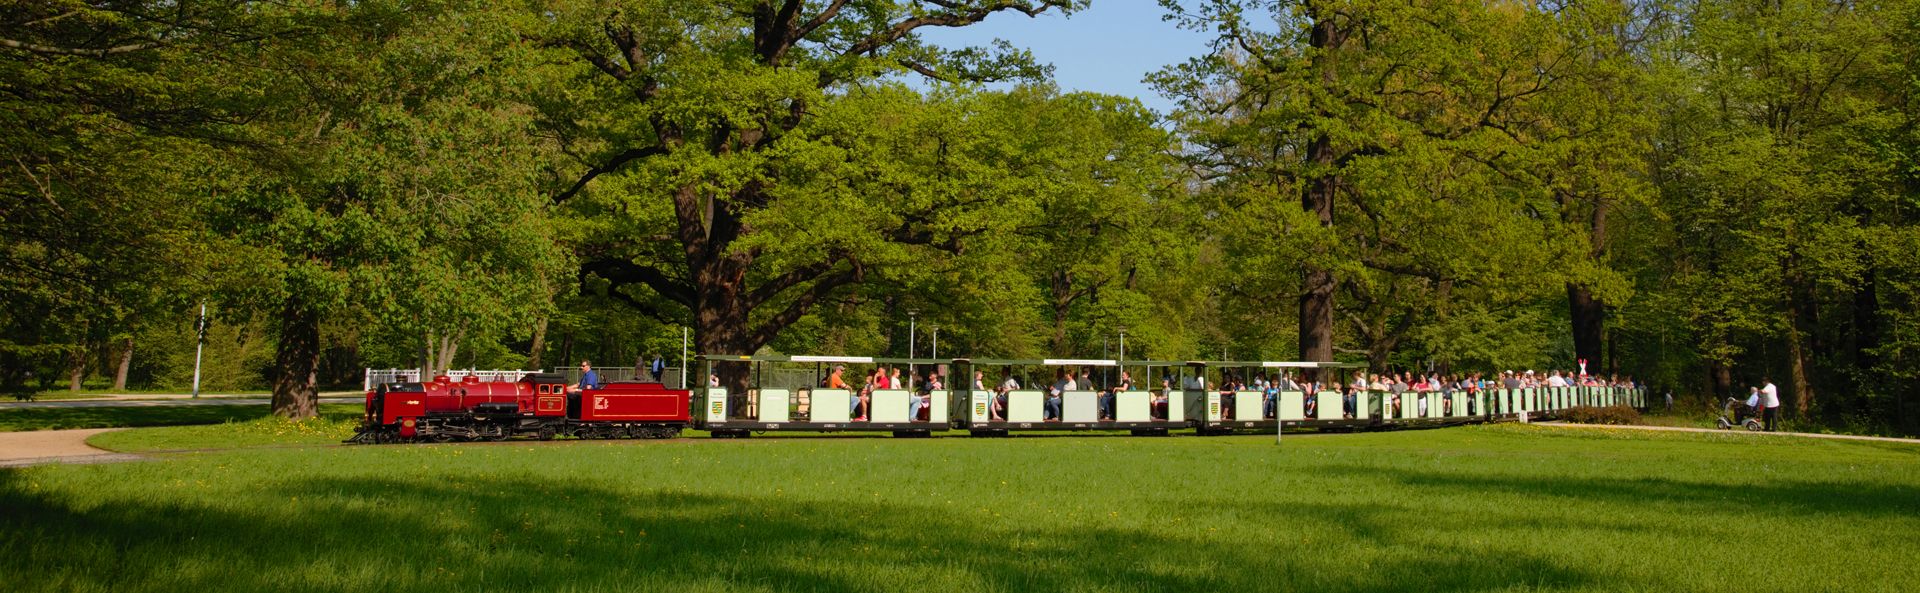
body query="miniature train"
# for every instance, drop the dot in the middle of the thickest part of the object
(536, 406)
(541, 406)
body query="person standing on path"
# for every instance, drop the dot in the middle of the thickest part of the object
(1771, 400)
(658, 368)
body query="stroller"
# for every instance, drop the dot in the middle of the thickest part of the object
(1728, 417)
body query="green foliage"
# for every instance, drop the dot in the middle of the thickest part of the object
(1616, 415)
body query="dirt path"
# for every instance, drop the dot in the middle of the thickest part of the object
(1844, 437)
(54, 446)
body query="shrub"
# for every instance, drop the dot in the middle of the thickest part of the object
(1599, 415)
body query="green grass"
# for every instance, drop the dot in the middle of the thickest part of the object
(335, 424)
(108, 390)
(1463, 509)
(17, 419)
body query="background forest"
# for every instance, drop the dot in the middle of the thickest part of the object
(1698, 194)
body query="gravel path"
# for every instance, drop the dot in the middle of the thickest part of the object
(55, 446)
(1844, 437)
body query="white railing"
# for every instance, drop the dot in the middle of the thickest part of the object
(607, 375)
(378, 376)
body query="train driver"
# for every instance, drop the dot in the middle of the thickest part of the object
(588, 378)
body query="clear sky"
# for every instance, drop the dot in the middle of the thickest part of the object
(1107, 48)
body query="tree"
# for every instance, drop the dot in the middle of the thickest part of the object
(392, 187)
(704, 110)
(1418, 139)
(108, 119)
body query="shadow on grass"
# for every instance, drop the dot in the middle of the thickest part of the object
(500, 533)
(1798, 497)
(19, 419)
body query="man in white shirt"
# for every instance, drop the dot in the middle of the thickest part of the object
(1556, 381)
(1771, 397)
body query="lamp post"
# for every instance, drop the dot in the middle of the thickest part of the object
(912, 316)
(199, 343)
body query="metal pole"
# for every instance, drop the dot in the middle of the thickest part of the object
(912, 316)
(936, 343)
(199, 344)
(683, 357)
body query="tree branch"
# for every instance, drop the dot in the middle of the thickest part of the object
(826, 15)
(766, 291)
(766, 331)
(621, 272)
(956, 16)
(68, 51)
(608, 167)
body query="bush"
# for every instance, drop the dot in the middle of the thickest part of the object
(1599, 415)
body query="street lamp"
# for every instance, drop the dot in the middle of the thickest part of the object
(912, 316)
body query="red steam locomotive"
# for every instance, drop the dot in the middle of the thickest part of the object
(538, 405)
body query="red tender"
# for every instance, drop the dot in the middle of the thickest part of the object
(634, 402)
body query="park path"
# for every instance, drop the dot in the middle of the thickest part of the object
(1843, 437)
(35, 447)
(159, 403)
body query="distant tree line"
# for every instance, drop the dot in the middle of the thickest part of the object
(1696, 194)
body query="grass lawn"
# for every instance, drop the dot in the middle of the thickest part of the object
(16, 419)
(1461, 509)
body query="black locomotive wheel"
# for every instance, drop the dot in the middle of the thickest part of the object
(546, 433)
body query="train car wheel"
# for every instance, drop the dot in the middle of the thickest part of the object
(546, 433)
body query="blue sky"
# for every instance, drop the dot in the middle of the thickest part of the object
(1107, 48)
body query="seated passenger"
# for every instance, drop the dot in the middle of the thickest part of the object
(1310, 401)
(1107, 397)
(998, 411)
(1063, 382)
(1157, 406)
(1226, 401)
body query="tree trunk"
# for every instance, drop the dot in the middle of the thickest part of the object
(1588, 326)
(537, 353)
(126, 360)
(1378, 355)
(723, 329)
(1720, 377)
(1801, 322)
(1062, 284)
(1318, 284)
(1613, 355)
(296, 358)
(77, 368)
(448, 346)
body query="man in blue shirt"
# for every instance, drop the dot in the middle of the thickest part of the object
(588, 378)
(658, 369)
